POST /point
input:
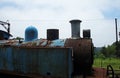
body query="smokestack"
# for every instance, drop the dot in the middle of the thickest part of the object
(86, 33)
(52, 34)
(75, 28)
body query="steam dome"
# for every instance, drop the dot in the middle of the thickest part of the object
(31, 33)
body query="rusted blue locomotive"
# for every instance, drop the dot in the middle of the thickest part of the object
(54, 57)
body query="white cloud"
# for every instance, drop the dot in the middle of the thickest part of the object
(102, 31)
(45, 14)
(60, 9)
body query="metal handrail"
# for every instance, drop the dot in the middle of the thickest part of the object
(110, 68)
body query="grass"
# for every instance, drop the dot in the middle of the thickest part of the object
(99, 62)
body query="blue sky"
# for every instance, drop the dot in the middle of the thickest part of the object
(112, 13)
(97, 15)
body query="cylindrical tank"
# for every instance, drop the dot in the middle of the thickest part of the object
(75, 28)
(86, 33)
(52, 34)
(82, 54)
(31, 33)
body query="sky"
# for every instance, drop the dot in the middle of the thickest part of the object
(96, 15)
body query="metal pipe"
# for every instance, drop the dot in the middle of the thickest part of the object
(116, 36)
(9, 28)
(116, 29)
(75, 28)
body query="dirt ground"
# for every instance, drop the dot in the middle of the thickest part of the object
(97, 73)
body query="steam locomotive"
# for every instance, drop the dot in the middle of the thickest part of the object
(54, 57)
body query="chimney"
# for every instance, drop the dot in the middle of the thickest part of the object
(75, 28)
(52, 34)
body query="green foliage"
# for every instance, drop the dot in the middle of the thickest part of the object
(108, 51)
(99, 55)
(100, 62)
(117, 48)
(18, 38)
(103, 51)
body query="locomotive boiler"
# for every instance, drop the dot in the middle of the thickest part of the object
(54, 57)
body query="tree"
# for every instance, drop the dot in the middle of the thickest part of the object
(103, 51)
(118, 49)
(18, 38)
(108, 51)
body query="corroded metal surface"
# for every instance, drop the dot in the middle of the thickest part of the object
(44, 52)
(45, 43)
(36, 43)
(9, 42)
(55, 62)
(82, 54)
